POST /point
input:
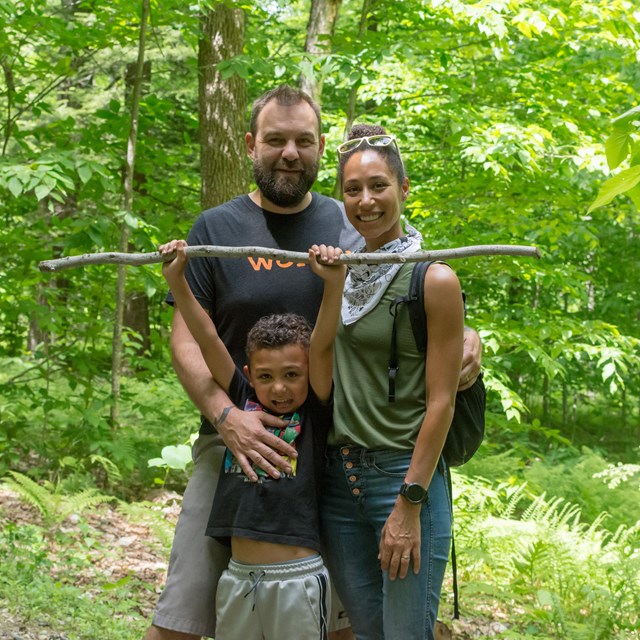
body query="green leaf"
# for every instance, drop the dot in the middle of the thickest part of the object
(131, 220)
(85, 173)
(634, 194)
(42, 191)
(544, 598)
(623, 182)
(617, 148)
(627, 117)
(15, 186)
(173, 456)
(608, 370)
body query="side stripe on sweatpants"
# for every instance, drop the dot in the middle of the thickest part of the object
(324, 617)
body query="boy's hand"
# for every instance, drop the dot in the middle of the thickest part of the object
(324, 263)
(174, 269)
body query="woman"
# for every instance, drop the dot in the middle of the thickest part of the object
(385, 508)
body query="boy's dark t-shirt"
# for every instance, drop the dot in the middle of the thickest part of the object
(283, 511)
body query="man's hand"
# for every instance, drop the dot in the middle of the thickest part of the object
(471, 359)
(245, 435)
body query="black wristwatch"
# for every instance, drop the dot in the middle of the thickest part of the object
(414, 493)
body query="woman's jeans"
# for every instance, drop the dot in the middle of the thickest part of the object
(359, 491)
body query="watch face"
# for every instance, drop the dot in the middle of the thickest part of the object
(414, 492)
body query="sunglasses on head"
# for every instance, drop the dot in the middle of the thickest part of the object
(381, 140)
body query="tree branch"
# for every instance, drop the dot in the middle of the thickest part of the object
(212, 251)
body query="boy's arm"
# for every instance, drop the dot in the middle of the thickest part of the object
(323, 263)
(200, 325)
(243, 432)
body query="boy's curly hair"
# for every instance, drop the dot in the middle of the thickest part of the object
(278, 330)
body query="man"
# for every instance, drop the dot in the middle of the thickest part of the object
(285, 144)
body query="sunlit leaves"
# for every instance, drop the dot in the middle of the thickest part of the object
(619, 184)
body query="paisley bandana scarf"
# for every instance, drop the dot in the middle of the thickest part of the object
(366, 283)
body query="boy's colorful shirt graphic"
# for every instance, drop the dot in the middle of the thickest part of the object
(288, 434)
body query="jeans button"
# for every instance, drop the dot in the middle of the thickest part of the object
(349, 465)
(352, 478)
(356, 491)
(344, 451)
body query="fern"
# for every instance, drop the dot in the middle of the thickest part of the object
(110, 468)
(54, 506)
(32, 493)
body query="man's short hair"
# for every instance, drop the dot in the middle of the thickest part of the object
(285, 96)
(278, 330)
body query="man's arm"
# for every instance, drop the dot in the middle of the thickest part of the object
(471, 359)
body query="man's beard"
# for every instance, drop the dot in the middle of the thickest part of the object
(285, 191)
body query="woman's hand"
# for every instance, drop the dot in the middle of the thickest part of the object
(400, 540)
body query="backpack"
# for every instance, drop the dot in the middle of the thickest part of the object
(467, 426)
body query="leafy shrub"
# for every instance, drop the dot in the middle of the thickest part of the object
(553, 574)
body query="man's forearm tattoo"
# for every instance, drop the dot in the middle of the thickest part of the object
(223, 416)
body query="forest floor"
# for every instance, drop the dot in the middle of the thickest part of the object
(117, 548)
(129, 550)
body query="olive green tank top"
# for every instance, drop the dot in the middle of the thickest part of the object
(362, 412)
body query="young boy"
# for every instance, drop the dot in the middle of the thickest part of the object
(276, 585)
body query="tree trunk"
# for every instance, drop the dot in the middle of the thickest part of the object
(116, 362)
(353, 94)
(546, 402)
(222, 107)
(322, 23)
(136, 319)
(136, 305)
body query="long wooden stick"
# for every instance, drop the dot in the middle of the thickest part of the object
(203, 251)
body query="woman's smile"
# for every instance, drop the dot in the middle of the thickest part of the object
(373, 198)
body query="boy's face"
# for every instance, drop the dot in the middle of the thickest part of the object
(280, 377)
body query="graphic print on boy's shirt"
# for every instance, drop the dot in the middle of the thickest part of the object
(288, 434)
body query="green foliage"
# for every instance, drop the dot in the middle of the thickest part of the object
(177, 457)
(61, 425)
(564, 577)
(623, 142)
(509, 116)
(580, 482)
(57, 600)
(54, 505)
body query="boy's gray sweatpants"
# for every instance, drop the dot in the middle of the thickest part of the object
(274, 601)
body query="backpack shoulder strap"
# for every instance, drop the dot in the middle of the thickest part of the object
(416, 306)
(415, 301)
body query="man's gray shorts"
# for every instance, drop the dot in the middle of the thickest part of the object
(187, 603)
